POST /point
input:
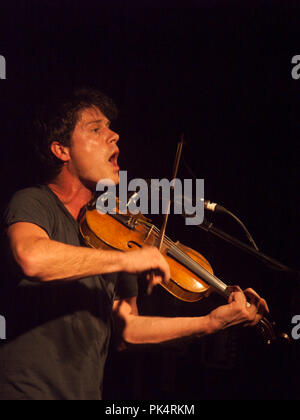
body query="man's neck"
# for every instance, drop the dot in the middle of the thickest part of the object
(71, 192)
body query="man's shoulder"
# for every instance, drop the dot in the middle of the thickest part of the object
(33, 205)
(38, 191)
(40, 194)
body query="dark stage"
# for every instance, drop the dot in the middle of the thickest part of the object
(221, 73)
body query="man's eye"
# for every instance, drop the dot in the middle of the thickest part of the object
(95, 130)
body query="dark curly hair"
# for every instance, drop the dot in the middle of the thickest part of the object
(56, 122)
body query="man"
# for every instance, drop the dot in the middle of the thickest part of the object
(60, 299)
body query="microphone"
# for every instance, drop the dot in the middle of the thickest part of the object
(208, 205)
(214, 207)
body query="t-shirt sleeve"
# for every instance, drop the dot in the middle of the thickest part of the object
(127, 286)
(30, 205)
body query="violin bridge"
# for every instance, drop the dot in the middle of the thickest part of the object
(131, 223)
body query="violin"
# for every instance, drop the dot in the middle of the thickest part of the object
(192, 277)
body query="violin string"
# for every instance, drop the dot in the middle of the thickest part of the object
(169, 241)
(156, 232)
(189, 261)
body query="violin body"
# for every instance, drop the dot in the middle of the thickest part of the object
(104, 231)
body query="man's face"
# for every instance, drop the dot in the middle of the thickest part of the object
(93, 150)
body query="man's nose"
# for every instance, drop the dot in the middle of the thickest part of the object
(113, 136)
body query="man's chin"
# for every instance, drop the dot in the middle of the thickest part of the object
(92, 183)
(113, 180)
(116, 177)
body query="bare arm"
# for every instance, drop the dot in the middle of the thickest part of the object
(136, 329)
(147, 329)
(47, 260)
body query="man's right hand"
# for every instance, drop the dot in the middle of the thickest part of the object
(150, 260)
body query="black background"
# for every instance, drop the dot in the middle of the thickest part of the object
(221, 73)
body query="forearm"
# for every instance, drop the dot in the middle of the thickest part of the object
(46, 259)
(149, 330)
(136, 329)
(50, 260)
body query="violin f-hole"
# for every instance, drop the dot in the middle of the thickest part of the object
(130, 244)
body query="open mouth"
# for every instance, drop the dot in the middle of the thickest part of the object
(114, 159)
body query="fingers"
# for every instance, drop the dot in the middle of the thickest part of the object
(251, 306)
(154, 265)
(153, 281)
(154, 278)
(236, 295)
(150, 261)
(159, 268)
(258, 306)
(256, 300)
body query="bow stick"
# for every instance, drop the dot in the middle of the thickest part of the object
(164, 225)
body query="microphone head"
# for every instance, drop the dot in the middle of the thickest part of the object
(210, 206)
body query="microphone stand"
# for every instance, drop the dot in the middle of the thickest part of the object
(271, 262)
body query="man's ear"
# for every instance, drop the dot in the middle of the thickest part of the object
(60, 151)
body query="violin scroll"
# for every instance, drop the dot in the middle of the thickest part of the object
(269, 333)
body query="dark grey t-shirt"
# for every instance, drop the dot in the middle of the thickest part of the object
(58, 332)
